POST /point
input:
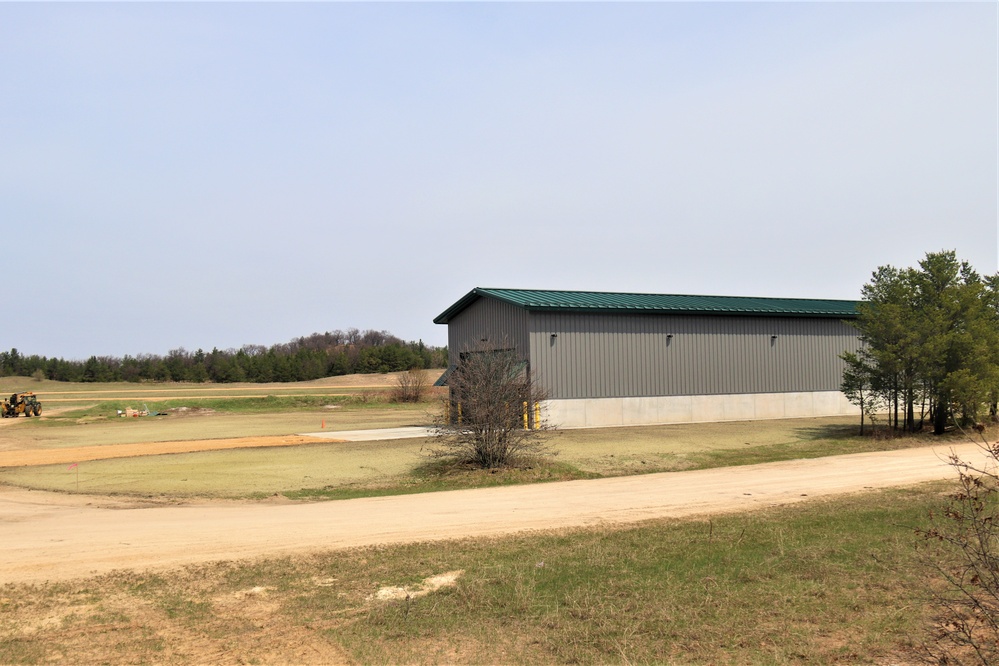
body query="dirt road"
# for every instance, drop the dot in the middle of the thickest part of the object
(29, 457)
(54, 537)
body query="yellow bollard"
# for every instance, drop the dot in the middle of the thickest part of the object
(525, 415)
(537, 416)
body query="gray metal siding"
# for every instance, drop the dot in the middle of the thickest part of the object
(605, 356)
(489, 324)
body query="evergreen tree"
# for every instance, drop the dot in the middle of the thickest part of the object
(313, 357)
(929, 335)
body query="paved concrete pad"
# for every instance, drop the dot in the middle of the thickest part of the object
(378, 434)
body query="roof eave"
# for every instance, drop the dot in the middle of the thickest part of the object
(482, 292)
(462, 303)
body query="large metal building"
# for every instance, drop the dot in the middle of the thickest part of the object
(626, 359)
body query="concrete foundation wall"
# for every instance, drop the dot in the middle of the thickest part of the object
(598, 412)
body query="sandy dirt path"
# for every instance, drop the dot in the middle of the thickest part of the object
(52, 537)
(30, 457)
(76, 454)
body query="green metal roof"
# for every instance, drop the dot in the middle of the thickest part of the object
(597, 301)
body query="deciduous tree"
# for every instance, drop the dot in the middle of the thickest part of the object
(494, 415)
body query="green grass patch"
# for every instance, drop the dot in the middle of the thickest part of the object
(440, 475)
(822, 582)
(248, 405)
(833, 582)
(670, 448)
(846, 441)
(21, 651)
(347, 470)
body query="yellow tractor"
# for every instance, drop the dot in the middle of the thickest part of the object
(21, 403)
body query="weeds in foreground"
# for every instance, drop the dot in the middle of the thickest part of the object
(961, 547)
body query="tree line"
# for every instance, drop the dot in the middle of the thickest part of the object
(930, 345)
(313, 357)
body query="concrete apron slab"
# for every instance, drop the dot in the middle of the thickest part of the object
(375, 435)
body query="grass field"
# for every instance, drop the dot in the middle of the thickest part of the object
(86, 414)
(822, 583)
(337, 470)
(83, 428)
(84, 393)
(342, 470)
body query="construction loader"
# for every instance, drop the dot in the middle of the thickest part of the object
(21, 403)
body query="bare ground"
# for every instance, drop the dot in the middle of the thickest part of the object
(29, 457)
(58, 537)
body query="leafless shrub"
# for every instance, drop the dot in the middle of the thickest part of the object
(494, 414)
(962, 548)
(410, 386)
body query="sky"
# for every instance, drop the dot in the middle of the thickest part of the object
(188, 175)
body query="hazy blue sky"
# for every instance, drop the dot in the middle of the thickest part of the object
(198, 175)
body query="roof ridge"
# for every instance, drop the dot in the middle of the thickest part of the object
(650, 293)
